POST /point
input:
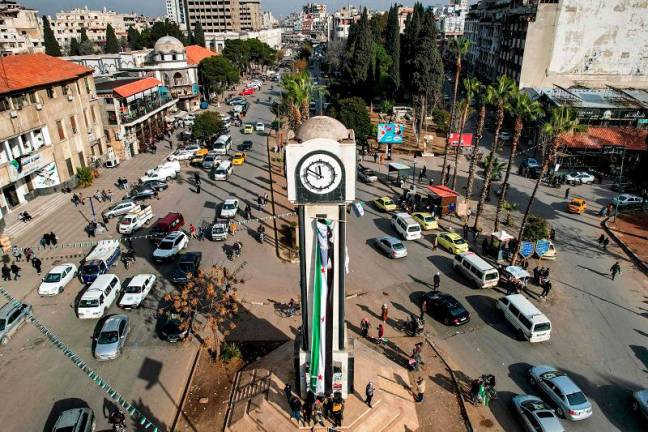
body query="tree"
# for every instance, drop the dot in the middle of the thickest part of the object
(378, 25)
(207, 124)
(353, 113)
(217, 74)
(86, 47)
(523, 109)
(190, 36)
(135, 39)
(85, 176)
(497, 95)
(238, 52)
(360, 54)
(74, 47)
(319, 93)
(298, 88)
(112, 44)
(459, 47)
(478, 91)
(199, 35)
(471, 93)
(409, 43)
(335, 53)
(84, 35)
(536, 229)
(563, 120)
(392, 46)
(52, 46)
(211, 295)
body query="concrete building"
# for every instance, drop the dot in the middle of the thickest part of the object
(217, 16)
(109, 64)
(540, 43)
(268, 21)
(20, 29)
(216, 41)
(403, 14)
(250, 15)
(451, 18)
(175, 10)
(50, 124)
(342, 20)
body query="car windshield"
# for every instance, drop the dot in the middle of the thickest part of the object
(229, 206)
(491, 276)
(52, 277)
(398, 246)
(2, 324)
(457, 310)
(542, 327)
(133, 289)
(577, 398)
(459, 241)
(219, 145)
(166, 244)
(414, 228)
(126, 221)
(428, 219)
(85, 303)
(186, 267)
(388, 201)
(218, 229)
(545, 414)
(551, 375)
(534, 405)
(108, 337)
(90, 269)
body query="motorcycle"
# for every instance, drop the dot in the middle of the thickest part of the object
(127, 258)
(261, 235)
(414, 326)
(235, 251)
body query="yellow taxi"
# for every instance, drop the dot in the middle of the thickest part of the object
(385, 204)
(426, 220)
(238, 158)
(452, 242)
(577, 205)
(248, 128)
(197, 160)
(201, 152)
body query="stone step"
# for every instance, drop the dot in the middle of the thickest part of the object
(45, 207)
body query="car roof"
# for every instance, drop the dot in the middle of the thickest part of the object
(423, 214)
(7, 309)
(112, 323)
(452, 235)
(525, 306)
(173, 235)
(189, 256)
(230, 200)
(390, 239)
(69, 418)
(59, 268)
(139, 279)
(565, 384)
(477, 261)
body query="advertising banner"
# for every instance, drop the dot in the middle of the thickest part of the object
(390, 133)
(466, 140)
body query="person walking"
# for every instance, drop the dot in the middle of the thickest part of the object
(465, 230)
(337, 409)
(192, 231)
(308, 407)
(420, 389)
(17, 254)
(381, 332)
(615, 270)
(53, 239)
(364, 327)
(318, 409)
(6, 272)
(15, 270)
(600, 240)
(36, 262)
(384, 309)
(295, 409)
(437, 280)
(369, 392)
(423, 309)
(288, 392)
(375, 156)
(546, 288)
(434, 242)
(606, 242)
(567, 193)
(198, 188)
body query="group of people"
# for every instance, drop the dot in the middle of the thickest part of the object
(482, 389)
(316, 408)
(49, 239)
(122, 183)
(364, 329)
(262, 200)
(603, 241)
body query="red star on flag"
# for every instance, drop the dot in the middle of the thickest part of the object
(320, 377)
(323, 269)
(323, 318)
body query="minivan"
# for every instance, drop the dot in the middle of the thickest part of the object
(163, 226)
(99, 296)
(527, 320)
(407, 227)
(222, 171)
(476, 269)
(222, 144)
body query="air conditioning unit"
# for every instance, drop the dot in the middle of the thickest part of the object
(13, 114)
(39, 106)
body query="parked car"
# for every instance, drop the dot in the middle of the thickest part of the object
(391, 246)
(180, 155)
(139, 193)
(136, 291)
(75, 420)
(100, 259)
(245, 145)
(246, 92)
(238, 158)
(627, 200)
(248, 128)
(452, 242)
(535, 415)
(197, 160)
(170, 246)
(640, 403)
(426, 220)
(236, 100)
(530, 163)
(175, 326)
(98, 298)
(111, 163)
(119, 208)
(385, 204)
(222, 171)
(188, 264)
(165, 225)
(55, 281)
(366, 175)
(110, 341)
(505, 135)
(209, 161)
(260, 127)
(568, 398)
(162, 172)
(12, 317)
(158, 185)
(445, 308)
(579, 177)
(229, 208)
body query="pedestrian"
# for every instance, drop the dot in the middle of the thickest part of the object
(53, 239)
(424, 171)
(567, 193)
(465, 230)
(6, 272)
(420, 389)
(15, 270)
(369, 392)
(468, 214)
(364, 327)
(156, 194)
(288, 392)
(475, 233)
(384, 310)
(295, 408)
(36, 262)
(337, 409)
(434, 242)
(437, 280)
(606, 241)
(600, 240)
(43, 241)
(381, 332)
(192, 231)
(308, 407)
(615, 269)
(197, 188)
(375, 156)
(318, 409)
(475, 388)
(265, 198)
(423, 309)
(327, 404)
(17, 254)
(382, 158)
(546, 288)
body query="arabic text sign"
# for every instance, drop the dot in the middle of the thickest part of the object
(390, 133)
(542, 247)
(526, 249)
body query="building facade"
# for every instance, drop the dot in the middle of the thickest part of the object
(541, 43)
(250, 15)
(175, 10)
(50, 124)
(451, 18)
(217, 16)
(342, 20)
(216, 41)
(20, 30)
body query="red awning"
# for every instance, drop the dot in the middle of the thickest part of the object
(137, 86)
(598, 137)
(442, 191)
(466, 140)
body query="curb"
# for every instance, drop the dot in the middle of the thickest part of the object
(462, 402)
(642, 265)
(185, 392)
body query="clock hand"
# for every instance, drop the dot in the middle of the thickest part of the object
(309, 171)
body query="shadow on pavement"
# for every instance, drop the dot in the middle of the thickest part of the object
(485, 308)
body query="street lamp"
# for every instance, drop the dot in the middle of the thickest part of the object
(620, 179)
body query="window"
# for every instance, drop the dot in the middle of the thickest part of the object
(87, 85)
(70, 168)
(82, 159)
(73, 124)
(4, 104)
(32, 98)
(85, 118)
(19, 101)
(525, 322)
(112, 117)
(108, 101)
(61, 131)
(94, 115)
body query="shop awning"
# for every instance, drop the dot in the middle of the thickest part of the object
(442, 191)
(598, 138)
(502, 236)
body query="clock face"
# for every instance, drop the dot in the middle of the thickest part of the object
(320, 173)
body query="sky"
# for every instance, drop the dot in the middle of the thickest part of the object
(278, 8)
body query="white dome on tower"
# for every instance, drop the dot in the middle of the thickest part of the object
(168, 45)
(322, 127)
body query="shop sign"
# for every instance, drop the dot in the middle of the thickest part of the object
(46, 177)
(24, 165)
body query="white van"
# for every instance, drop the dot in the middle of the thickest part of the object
(162, 172)
(171, 164)
(528, 321)
(222, 144)
(407, 227)
(475, 268)
(99, 296)
(222, 171)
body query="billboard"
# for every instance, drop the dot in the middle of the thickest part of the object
(466, 140)
(390, 133)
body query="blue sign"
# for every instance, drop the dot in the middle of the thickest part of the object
(542, 247)
(526, 249)
(390, 133)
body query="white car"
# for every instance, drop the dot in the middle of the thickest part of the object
(627, 200)
(118, 209)
(179, 155)
(56, 280)
(136, 291)
(579, 177)
(230, 208)
(170, 246)
(260, 127)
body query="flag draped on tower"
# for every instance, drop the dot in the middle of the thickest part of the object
(323, 267)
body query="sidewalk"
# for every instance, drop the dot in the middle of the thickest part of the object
(630, 231)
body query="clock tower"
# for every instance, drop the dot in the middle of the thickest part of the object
(320, 173)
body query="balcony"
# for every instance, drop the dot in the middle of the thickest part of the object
(141, 108)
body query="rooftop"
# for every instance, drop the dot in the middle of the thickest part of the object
(196, 53)
(24, 71)
(597, 137)
(138, 86)
(322, 127)
(607, 98)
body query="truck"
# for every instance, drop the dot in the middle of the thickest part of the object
(135, 219)
(99, 260)
(220, 229)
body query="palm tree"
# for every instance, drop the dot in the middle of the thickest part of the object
(319, 93)
(497, 95)
(522, 108)
(478, 90)
(459, 47)
(296, 96)
(465, 112)
(563, 120)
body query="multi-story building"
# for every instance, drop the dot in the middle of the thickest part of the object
(342, 20)
(20, 29)
(403, 14)
(268, 21)
(50, 124)
(216, 41)
(451, 18)
(216, 16)
(540, 43)
(250, 15)
(176, 12)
